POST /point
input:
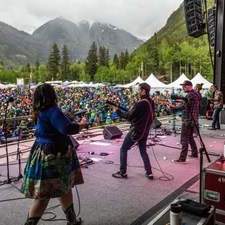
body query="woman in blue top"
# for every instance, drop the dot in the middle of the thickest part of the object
(52, 169)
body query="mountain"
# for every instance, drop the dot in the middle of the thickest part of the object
(170, 51)
(19, 47)
(79, 37)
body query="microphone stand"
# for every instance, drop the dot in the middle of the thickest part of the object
(202, 151)
(4, 128)
(18, 154)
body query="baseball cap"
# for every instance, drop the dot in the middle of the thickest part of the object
(187, 83)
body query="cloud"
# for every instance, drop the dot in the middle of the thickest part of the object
(140, 17)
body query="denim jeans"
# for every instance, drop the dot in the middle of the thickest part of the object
(216, 118)
(187, 138)
(127, 144)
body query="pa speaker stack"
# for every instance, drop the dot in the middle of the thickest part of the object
(194, 17)
(112, 132)
(212, 25)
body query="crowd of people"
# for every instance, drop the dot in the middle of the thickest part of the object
(91, 103)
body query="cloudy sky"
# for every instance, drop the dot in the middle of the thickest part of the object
(140, 17)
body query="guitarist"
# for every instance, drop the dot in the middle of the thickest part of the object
(141, 116)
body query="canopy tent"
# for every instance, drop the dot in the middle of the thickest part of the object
(154, 82)
(10, 86)
(199, 79)
(2, 86)
(177, 82)
(138, 80)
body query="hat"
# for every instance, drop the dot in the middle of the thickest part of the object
(145, 86)
(187, 83)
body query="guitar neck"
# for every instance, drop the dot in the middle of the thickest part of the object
(114, 104)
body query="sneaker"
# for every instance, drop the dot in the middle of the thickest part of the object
(179, 160)
(193, 156)
(211, 128)
(78, 222)
(149, 176)
(119, 175)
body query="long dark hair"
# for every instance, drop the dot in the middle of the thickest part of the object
(43, 98)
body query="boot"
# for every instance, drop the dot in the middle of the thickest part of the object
(71, 216)
(32, 221)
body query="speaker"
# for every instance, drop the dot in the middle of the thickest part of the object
(212, 25)
(194, 17)
(112, 132)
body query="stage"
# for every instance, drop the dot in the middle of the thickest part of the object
(109, 201)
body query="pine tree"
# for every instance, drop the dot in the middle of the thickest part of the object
(54, 63)
(65, 65)
(102, 56)
(107, 57)
(126, 57)
(91, 62)
(122, 61)
(116, 61)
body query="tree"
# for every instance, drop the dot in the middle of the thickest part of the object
(101, 56)
(54, 63)
(65, 65)
(116, 61)
(91, 62)
(107, 58)
(122, 61)
(126, 57)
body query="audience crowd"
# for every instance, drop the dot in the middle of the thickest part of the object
(86, 101)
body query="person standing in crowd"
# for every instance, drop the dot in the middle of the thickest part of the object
(52, 169)
(141, 116)
(217, 101)
(190, 114)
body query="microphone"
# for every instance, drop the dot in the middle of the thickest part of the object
(10, 99)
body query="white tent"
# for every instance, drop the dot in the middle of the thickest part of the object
(2, 86)
(177, 82)
(138, 80)
(199, 79)
(154, 82)
(10, 86)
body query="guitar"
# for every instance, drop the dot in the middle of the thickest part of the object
(116, 105)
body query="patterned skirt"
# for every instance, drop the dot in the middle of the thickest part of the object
(48, 174)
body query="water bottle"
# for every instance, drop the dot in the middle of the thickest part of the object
(175, 214)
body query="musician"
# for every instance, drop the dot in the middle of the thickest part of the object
(141, 116)
(190, 114)
(217, 101)
(52, 168)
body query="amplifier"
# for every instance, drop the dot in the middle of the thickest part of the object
(214, 188)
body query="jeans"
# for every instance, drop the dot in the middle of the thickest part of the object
(127, 144)
(216, 118)
(187, 138)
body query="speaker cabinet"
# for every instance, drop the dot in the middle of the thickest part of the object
(112, 132)
(194, 17)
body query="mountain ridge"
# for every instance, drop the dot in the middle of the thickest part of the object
(78, 36)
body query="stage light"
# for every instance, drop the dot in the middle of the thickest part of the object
(194, 17)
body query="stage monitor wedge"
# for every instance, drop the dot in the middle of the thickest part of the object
(112, 132)
(194, 18)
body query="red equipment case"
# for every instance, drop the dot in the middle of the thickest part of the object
(214, 188)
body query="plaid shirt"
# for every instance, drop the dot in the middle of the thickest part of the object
(191, 107)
